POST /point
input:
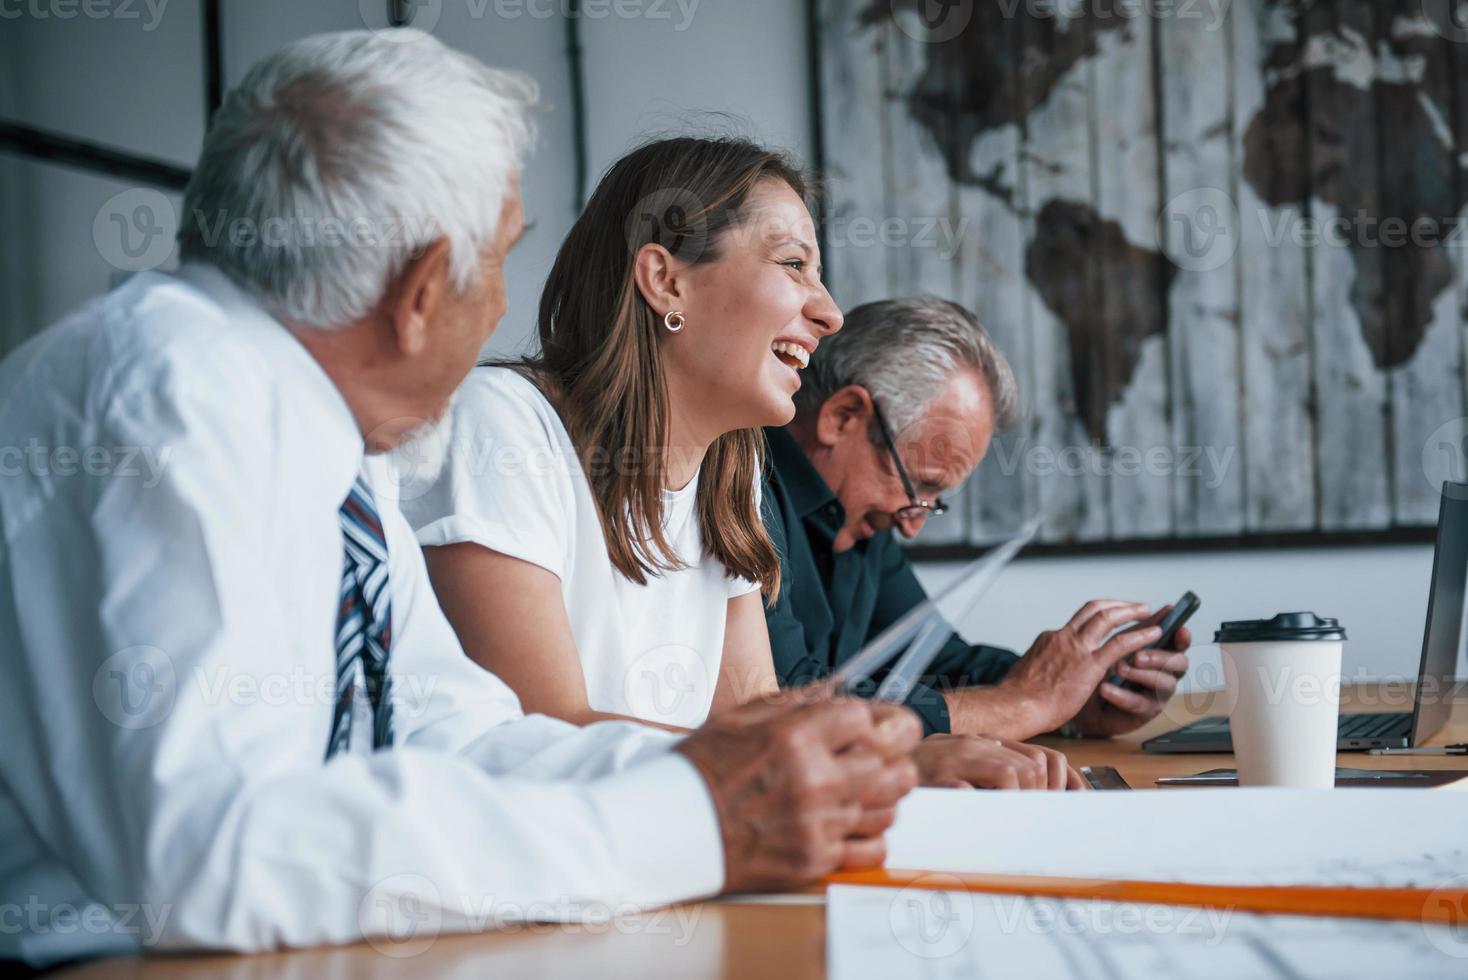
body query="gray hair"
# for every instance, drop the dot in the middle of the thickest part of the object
(342, 156)
(902, 351)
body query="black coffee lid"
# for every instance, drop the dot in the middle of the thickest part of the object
(1301, 626)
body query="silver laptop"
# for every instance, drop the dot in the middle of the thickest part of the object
(1441, 642)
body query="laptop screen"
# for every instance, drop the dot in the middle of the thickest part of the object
(1443, 637)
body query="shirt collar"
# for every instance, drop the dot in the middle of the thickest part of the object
(808, 490)
(314, 398)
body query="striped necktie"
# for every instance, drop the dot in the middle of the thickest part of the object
(363, 622)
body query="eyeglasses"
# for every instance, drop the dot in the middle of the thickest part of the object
(917, 509)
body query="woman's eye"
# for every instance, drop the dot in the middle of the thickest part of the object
(796, 264)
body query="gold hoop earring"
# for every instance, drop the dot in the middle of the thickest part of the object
(671, 316)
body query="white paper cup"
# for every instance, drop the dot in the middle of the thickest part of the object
(1283, 678)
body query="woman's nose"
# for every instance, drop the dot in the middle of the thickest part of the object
(823, 311)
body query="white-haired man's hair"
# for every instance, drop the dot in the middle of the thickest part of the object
(902, 351)
(340, 157)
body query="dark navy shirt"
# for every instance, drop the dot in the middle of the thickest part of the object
(831, 603)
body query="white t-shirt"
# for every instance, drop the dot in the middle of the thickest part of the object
(511, 482)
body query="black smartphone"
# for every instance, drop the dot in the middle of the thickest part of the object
(1180, 613)
(1104, 777)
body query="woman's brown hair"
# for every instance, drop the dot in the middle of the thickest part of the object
(598, 361)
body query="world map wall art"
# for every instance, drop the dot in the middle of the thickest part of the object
(1221, 242)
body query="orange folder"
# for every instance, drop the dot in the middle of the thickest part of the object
(1447, 906)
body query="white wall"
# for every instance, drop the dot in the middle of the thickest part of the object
(709, 65)
(135, 82)
(138, 84)
(1378, 593)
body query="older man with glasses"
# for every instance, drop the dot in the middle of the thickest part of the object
(894, 411)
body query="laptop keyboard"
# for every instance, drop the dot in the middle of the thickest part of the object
(1378, 724)
(1375, 725)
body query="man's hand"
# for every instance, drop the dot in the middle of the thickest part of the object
(1060, 673)
(804, 783)
(980, 762)
(1114, 710)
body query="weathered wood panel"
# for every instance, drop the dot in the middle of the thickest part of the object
(1292, 384)
(920, 218)
(1132, 277)
(993, 284)
(16, 257)
(1272, 189)
(1346, 279)
(1458, 237)
(1057, 160)
(1199, 178)
(853, 80)
(1420, 193)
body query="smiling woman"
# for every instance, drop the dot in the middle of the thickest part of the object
(618, 573)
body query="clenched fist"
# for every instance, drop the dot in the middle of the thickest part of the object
(804, 784)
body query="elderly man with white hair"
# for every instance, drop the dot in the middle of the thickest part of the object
(234, 715)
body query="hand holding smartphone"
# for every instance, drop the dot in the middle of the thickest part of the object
(1180, 613)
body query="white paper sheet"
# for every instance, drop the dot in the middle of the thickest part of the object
(1367, 837)
(881, 933)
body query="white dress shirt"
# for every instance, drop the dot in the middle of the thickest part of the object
(171, 466)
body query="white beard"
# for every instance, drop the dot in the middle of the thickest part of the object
(418, 460)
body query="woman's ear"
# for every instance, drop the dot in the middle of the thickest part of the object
(416, 297)
(846, 412)
(657, 274)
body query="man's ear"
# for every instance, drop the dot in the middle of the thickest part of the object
(656, 273)
(848, 410)
(417, 295)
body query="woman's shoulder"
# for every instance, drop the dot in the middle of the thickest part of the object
(504, 384)
(504, 478)
(507, 401)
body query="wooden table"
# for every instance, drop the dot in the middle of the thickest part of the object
(729, 939)
(1142, 770)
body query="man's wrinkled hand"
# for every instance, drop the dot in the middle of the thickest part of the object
(1060, 673)
(980, 762)
(1116, 710)
(804, 784)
